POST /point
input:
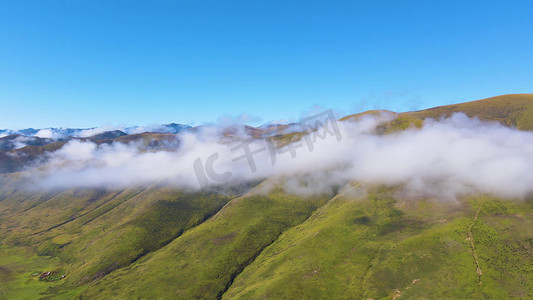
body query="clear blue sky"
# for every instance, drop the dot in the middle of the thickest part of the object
(87, 63)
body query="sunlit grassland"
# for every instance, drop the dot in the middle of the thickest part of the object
(203, 261)
(365, 248)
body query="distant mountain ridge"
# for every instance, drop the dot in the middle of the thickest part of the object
(513, 110)
(22, 146)
(16, 139)
(255, 240)
(86, 132)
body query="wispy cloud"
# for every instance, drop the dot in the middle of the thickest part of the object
(443, 158)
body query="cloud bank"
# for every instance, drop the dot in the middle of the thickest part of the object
(445, 158)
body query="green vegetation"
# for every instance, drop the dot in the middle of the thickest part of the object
(378, 246)
(510, 110)
(211, 254)
(19, 272)
(364, 242)
(95, 232)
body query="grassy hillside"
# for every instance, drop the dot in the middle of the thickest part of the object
(248, 242)
(378, 245)
(204, 261)
(366, 242)
(510, 110)
(93, 232)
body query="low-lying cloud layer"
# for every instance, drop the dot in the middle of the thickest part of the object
(446, 158)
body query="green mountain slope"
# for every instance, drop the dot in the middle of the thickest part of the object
(203, 262)
(248, 242)
(94, 232)
(510, 110)
(378, 245)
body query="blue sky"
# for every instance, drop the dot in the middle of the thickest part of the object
(89, 63)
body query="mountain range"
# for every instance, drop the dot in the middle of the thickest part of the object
(16, 139)
(254, 239)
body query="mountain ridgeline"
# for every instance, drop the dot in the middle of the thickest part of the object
(253, 239)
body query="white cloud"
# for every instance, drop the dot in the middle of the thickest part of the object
(445, 158)
(84, 133)
(49, 134)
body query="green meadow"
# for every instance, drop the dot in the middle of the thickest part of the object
(249, 242)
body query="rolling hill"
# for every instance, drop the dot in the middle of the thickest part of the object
(515, 110)
(254, 240)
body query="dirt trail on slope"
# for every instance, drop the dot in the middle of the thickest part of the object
(473, 246)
